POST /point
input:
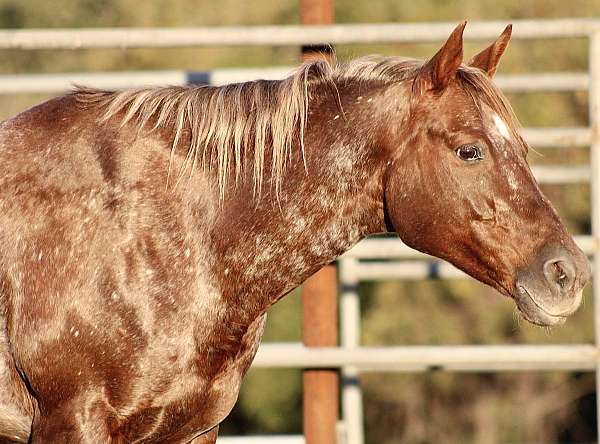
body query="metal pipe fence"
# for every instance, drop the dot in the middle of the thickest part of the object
(463, 358)
(289, 35)
(57, 83)
(350, 357)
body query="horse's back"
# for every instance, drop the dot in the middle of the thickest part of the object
(105, 264)
(63, 145)
(26, 169)
(54, 210)
(71, 206)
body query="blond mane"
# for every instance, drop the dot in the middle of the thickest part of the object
(234, 125)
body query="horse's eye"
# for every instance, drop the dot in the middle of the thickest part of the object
(469, 152)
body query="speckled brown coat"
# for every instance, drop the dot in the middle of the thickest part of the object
(131, 307)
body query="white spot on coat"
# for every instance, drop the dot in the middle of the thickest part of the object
(512, 181)
(501, 126)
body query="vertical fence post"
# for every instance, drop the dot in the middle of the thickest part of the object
(352, 405)
(320, 400)
(594, 116)
(319, 299)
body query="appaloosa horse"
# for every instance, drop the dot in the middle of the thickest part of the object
(144, 233)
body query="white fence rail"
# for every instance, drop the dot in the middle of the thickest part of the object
(351, 357)
(285, 35)
(57, 83)
(466, 358)
(274, 439)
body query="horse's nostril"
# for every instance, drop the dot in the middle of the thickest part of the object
(560, 273)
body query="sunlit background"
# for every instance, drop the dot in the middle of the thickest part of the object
(435, 407)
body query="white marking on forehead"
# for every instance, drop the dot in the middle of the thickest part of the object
(512, 180)
(501, 126)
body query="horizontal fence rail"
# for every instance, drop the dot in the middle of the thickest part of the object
(264, 439)
(55, 83)
(290, 35)
(558, 137)
(555, 174)
(394, 248)
(467, 358)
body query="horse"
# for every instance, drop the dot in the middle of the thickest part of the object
(145, 233)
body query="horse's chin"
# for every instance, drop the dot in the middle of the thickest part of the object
(542, 319)
(534, 313)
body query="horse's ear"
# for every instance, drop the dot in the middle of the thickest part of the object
(488, 59)
(441, 68)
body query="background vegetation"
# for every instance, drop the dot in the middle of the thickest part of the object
(424, 408)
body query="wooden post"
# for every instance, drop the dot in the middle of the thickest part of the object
(316, 12)
(319, 295)
(320, 399)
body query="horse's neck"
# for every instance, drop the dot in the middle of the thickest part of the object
(270, 247)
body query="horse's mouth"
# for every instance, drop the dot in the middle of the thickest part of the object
(535, 313)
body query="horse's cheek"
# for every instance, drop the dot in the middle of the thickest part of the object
(407, 208)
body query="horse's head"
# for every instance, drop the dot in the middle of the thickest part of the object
(459, 187)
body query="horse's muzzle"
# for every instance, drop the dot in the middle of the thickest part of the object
(551, 288)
